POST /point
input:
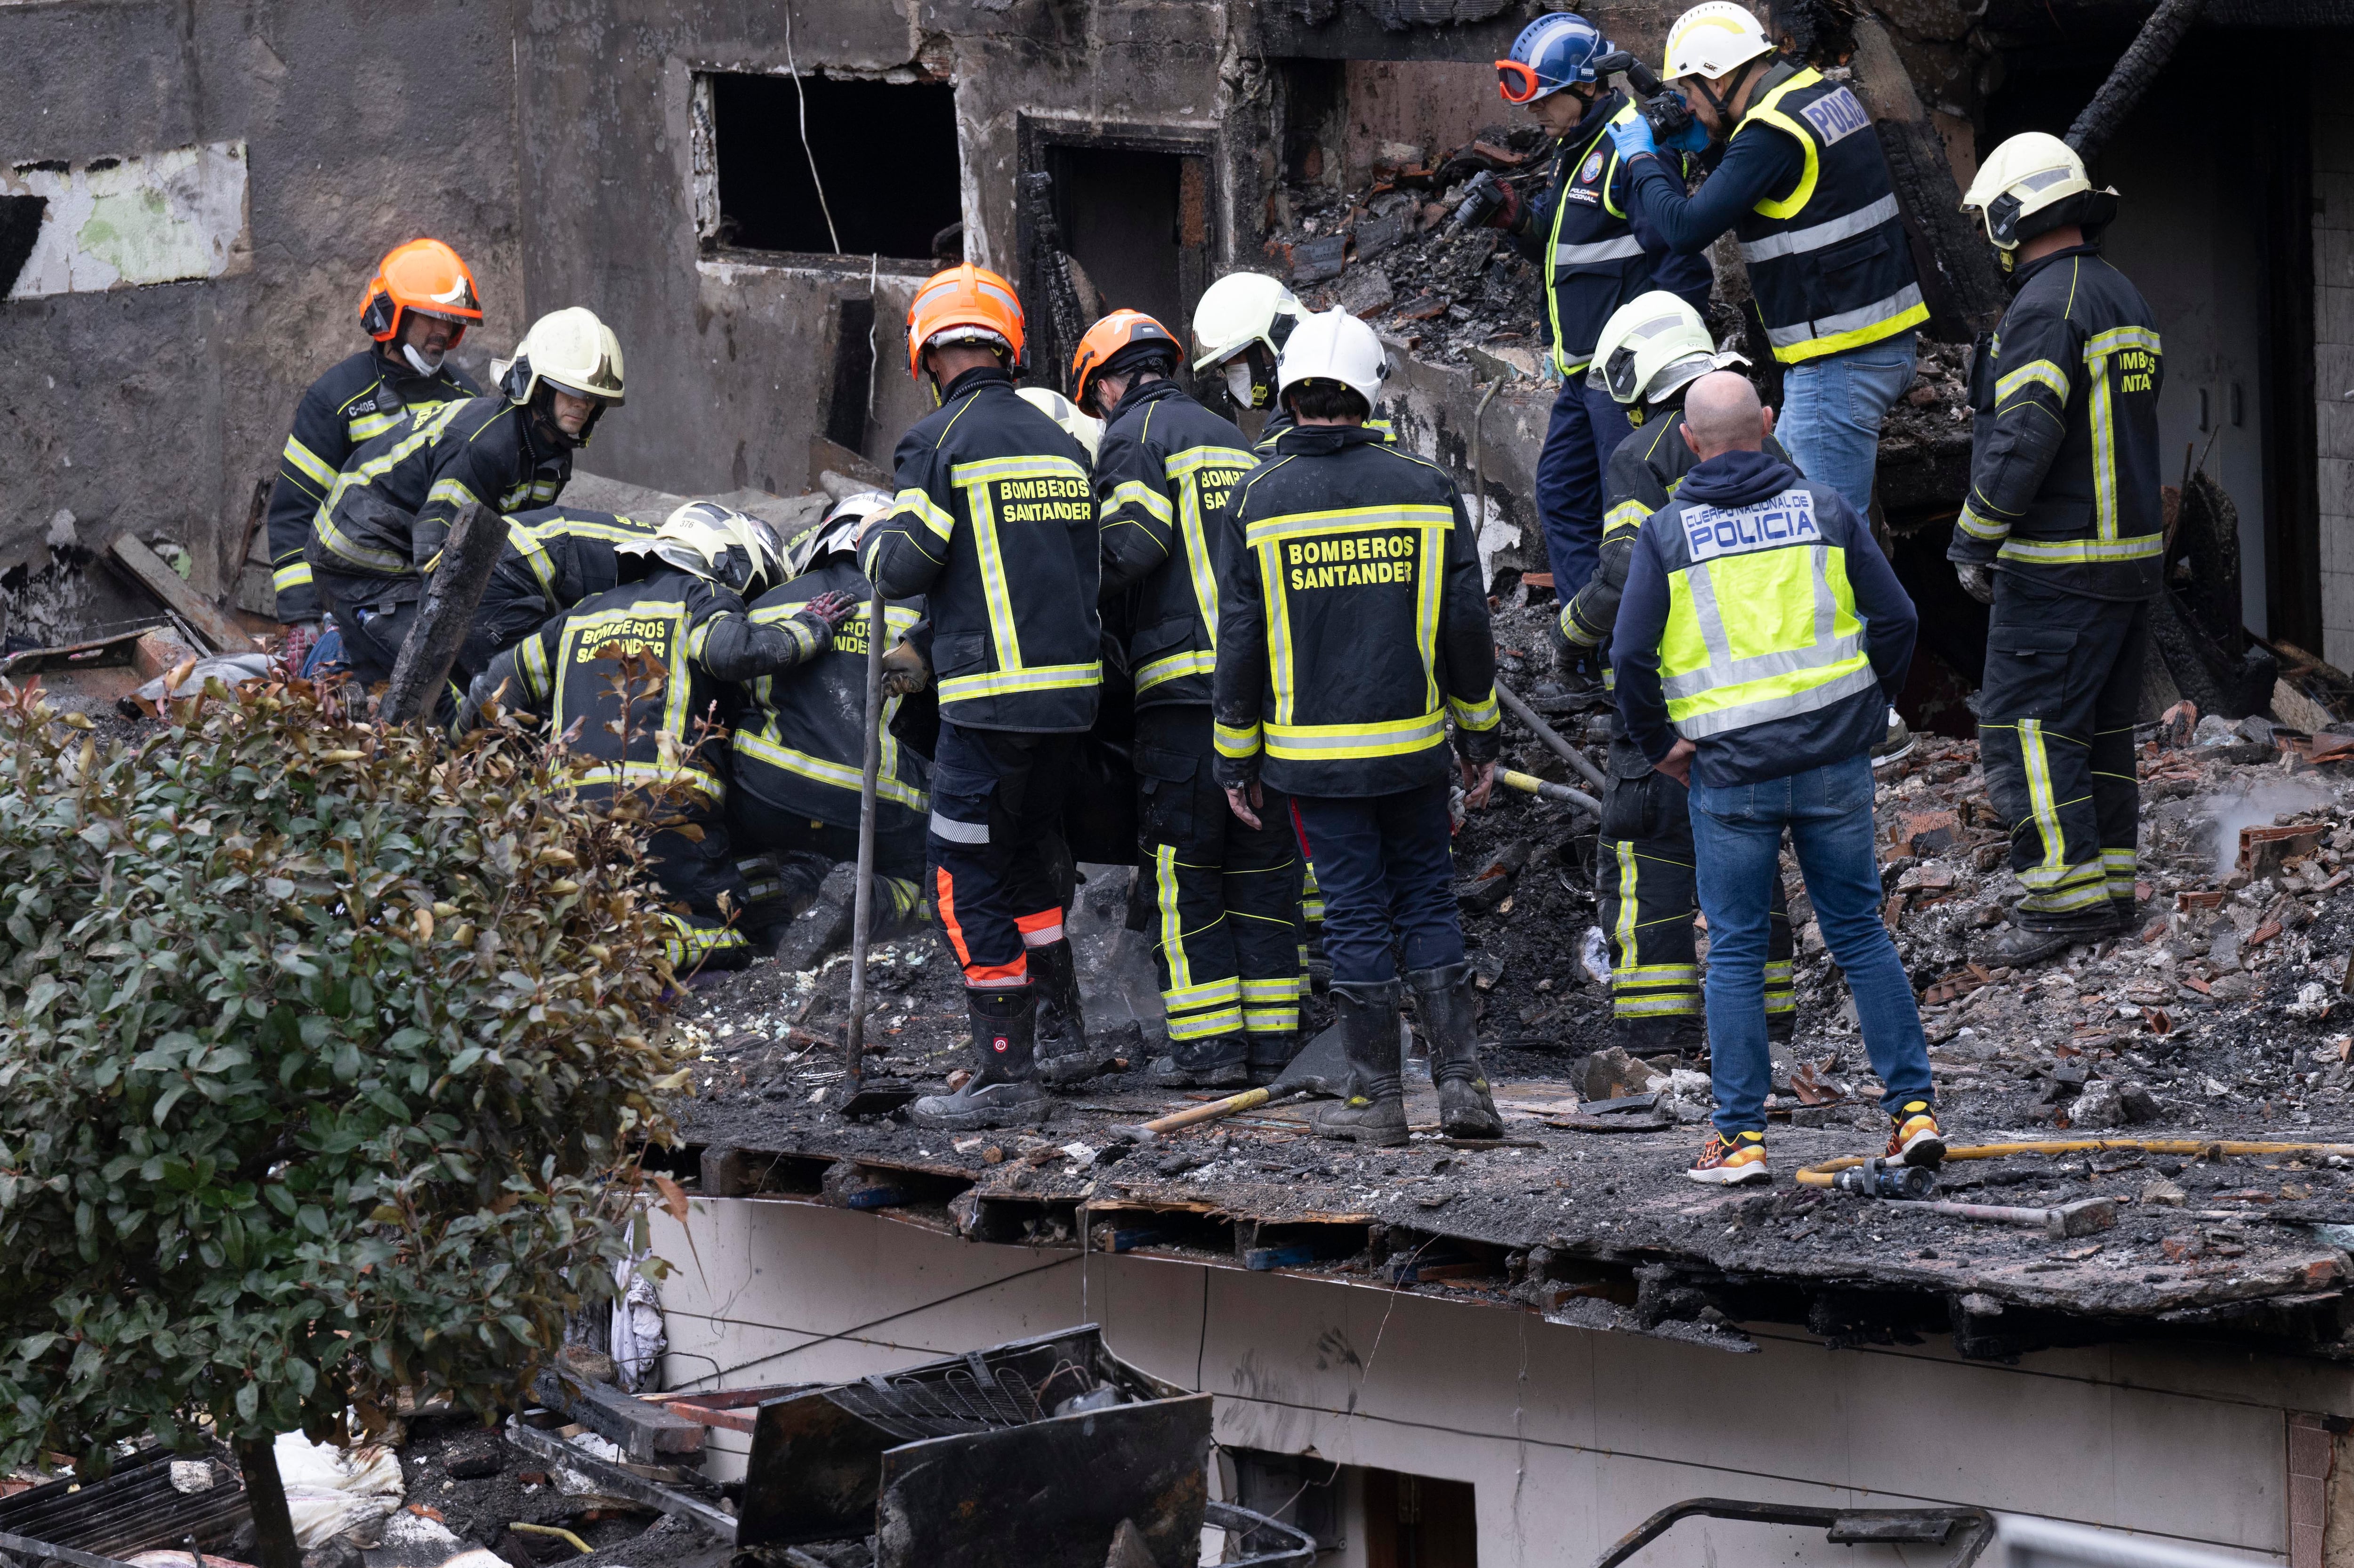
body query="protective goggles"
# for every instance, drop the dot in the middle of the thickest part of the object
(1520, 84)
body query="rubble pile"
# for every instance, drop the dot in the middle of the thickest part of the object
(1925, 444)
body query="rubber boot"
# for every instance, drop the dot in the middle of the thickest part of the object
(2030, 940)
(1270, 1055)
(1219, 1062)
(1003, 1090)
(2125, 914)
(1374, 1110)
(1442, 1000)
(1064, 1055)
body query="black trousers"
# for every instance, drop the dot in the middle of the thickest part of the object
(2055, 736)
(1225, 895)
(1646, 897)
(1387, 865)
(995, 836)
(804, 851)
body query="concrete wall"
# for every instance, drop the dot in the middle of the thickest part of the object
(157, 407)
(2333, 350)
(1569, 1437)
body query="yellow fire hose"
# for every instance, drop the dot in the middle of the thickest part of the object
(566, 1536)
(1546, 788)
(1821, 1175)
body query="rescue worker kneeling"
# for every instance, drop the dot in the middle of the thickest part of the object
(801, 757)
(554, 558)
(687, 616)
(1353, 624)
(1649, 353)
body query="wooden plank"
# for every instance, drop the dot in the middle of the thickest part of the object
(203, 616)
(619, 1482)
(452, 596)
(645, 1432)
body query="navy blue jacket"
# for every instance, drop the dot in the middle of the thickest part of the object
(1779, 748)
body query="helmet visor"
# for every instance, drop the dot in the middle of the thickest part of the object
(1516, 83)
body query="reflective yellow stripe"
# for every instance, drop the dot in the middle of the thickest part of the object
(2041, 809)
(581, 639)
(1002, 683)
(1136, 492)
(1778, 636)
(1481, 714)
(309, 462)
(1654, 974)
(1840, 342)
(1187, 469)
(919, 505)
(1233, 742)
(1335, 742)
(1626, 514)
(333, 539)
(1353, 520)
(1769, 110)
(764, 747)
(294, 577)
(367, 427)
(1623, 928)
(2082, 552)
(451, 491)
(531, 668)
(2107, 342)
(1553, 249)
(1159, 670)
(1978, 527)
(652, 775)
(2042, 372)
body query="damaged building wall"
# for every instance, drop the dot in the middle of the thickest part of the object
(156, 405)
(2333, 349)
(1569, 1437)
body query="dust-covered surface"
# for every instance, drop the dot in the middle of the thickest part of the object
(2226, 1023)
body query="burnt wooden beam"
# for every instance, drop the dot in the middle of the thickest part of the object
(204, 618)
(646, 1432)
(2132, 75)
(452, 596)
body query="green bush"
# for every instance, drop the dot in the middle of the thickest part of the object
(323, 1051)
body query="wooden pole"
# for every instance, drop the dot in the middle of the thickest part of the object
(878, 627)
(452, 596)
(2132, 75)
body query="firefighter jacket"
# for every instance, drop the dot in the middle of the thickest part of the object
(2063, 460)
(1353, 624)
(1587, 233)
(1163, 474)
(1281, 420)
(392, 506)
(1828, 263)
(802, 746)
(555, 558)
(1644, 472)
(1761, 623)
(354, 402)
(994, 526)
(705, 644)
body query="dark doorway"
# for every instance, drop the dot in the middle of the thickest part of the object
(887, 154)
(1413, 1521)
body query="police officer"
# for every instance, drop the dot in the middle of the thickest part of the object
(417, 309)
(1352, 623)
(995, 524)
(1650, 354)
(2063, 535)
(1590, 234)
(801, 757)
(1225, 893)
(686, 614)
(390, 510)
(554, 558)
(1805, 187)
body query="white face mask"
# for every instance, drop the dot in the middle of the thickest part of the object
(1238, 382)
(424, 365)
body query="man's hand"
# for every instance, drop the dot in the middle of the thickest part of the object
(1632, 137)
(1677, 763)
(904, 670)
(1478, 783)
(1978, 580)
(1241, 798)
(832, 607)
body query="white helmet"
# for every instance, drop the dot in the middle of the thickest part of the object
(2032, 183)
(569, 349)
(1333, 345)
(1242, 323)
(1653, 346)
(729, 548)
(838, 533)
(1713, 40)
(1083, 427)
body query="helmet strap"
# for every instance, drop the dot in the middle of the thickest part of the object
(1723, 106)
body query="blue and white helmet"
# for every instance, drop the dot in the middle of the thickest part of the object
(1552, 52)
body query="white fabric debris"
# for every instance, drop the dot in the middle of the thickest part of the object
(639, 1338)
(330, 1490)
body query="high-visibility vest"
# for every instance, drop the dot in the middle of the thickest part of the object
(1593, 263)
(1828, 264)
(1762, 623)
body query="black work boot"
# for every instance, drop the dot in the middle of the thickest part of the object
(1270, 1055)
(2030, 938)
(1218, 1063)
(825, 924)
(1064, 1055)
(2125, 914)
(1001, 1091)
(1442, 1000)
(1374, 1110)
(1782, 1026)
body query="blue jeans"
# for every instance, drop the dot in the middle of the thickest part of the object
(1385, 865)
(1832, 410)
(1586, 428)
(1737, 837)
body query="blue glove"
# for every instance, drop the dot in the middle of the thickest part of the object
(1632, 137)
(1692, 138)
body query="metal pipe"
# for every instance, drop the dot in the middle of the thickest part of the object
(1551, 737)
(863, 912)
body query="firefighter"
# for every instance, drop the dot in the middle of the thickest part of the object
(2062, 534)
(1805, 188)
(417, 309)
(1589, 233)
(1240, 325)
(1352, 623)
(1759, 636)
(686, 614)
(1225, 895)
(554, 558)
(1084, 428)
(994, 525)
(801, 757)
(1648, 356)
(384, 522)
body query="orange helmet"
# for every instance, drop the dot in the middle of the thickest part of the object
(963, 304)
(424, 276)
(1114, 342)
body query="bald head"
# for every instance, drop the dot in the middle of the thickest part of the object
(1721, 414)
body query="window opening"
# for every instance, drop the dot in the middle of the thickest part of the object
(885, 151)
